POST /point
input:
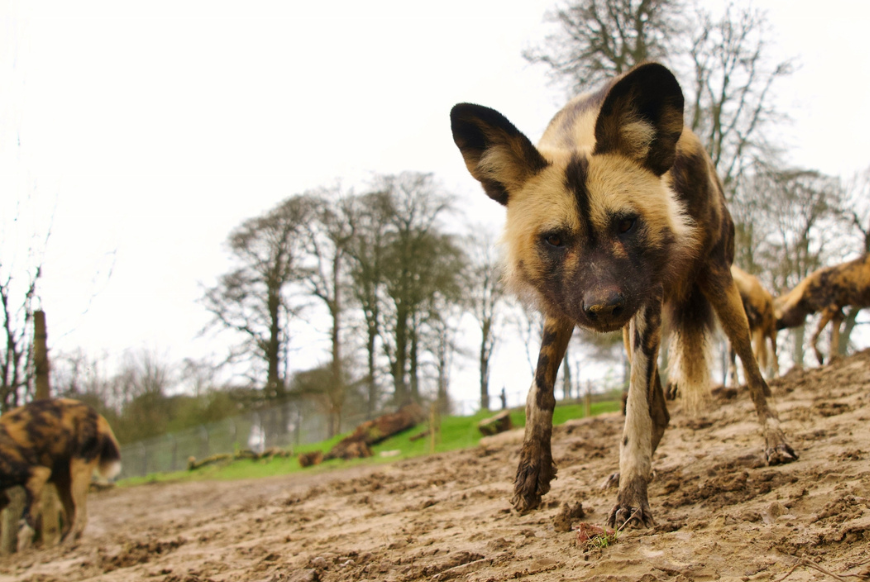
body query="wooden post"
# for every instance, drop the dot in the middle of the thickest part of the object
(434, 427)
(50, 533)
(40, 356)
(588, 400)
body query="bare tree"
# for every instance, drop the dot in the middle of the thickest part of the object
(252, 299)
(370, 216)
(419, 261)
(326, 239)
(529, 325)
(17, 311)
(484, 295)
(21, 259)
(598, 39)
(731, 107)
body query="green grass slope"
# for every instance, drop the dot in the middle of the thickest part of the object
(457, 432)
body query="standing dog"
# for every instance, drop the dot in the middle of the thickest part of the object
(758, 305)
(60, 441)
(616, 216)
(828, 291)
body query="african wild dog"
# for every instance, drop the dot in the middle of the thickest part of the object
(616, 216)
(828, 291)
(59, 441)
(758, 305)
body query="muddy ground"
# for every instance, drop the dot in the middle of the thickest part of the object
(721, 513)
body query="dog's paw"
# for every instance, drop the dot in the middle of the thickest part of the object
(777, 451)
(626, 516)
(534, 474)
(611, 481)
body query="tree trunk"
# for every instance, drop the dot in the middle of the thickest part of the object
(413, 368)
(484, 367)
(371, 404)
(400, 394)
(274, 389)
(338, 388)
(566, 378)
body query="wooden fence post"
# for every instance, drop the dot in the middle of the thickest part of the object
(50, 534)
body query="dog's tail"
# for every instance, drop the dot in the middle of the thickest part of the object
(109, 450)
(692, 325)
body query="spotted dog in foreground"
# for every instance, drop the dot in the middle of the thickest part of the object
(616, 218)
(59, 441)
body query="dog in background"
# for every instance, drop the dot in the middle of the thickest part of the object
(827, 290)
(60, 441)
(758, 305)
(615, 219)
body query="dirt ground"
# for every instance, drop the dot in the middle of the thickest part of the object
(721, 513)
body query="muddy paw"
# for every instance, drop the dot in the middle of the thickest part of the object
(611, 481)
(624, 516)
(777, 451)
(533, 481)
(780, 454)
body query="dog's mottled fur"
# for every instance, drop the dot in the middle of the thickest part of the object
(826, 291)
(758, 305)
(614, 218)
(60, 441)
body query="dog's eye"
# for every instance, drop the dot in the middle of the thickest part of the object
(554, 240)
(626, 224)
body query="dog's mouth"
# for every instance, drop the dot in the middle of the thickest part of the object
(604, 323)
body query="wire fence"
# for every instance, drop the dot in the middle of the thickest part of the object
(287, 426)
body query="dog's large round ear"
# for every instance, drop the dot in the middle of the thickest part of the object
(642, 118)
(495, 152)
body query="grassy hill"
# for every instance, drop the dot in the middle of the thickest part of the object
(457, 432)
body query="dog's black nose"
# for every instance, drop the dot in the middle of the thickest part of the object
(603, 305)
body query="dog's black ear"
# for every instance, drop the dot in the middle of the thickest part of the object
(495, 152)
(642, 118)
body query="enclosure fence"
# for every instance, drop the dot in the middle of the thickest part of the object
(286, 425)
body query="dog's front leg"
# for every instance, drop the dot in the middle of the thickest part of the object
(536, 468)
(636, 448)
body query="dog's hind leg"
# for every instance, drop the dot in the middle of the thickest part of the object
(722, 293)
(826, 317)
(536, 468)
(836, 321)
(80, 479)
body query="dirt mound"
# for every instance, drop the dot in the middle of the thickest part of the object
(721, 513)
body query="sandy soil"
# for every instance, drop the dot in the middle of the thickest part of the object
(721, 513)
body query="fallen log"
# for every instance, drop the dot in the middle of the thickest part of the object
(358, 444)
(501, 422)
(309, 459)
(266, 455)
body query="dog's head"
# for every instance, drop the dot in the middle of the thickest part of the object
(589, 225)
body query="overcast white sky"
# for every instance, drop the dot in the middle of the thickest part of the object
(149, 130)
